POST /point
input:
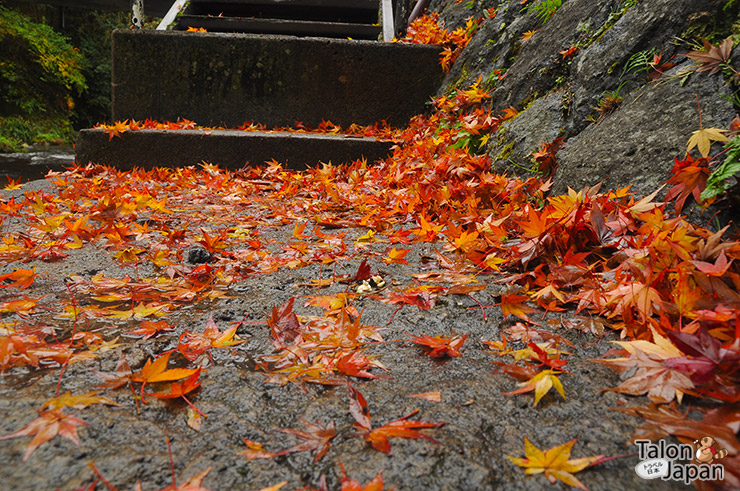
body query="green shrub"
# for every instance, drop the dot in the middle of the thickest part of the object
(39, 69)
(18, 131)
(543, 9)
(719, 181)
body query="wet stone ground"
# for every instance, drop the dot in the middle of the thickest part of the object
(483, 425)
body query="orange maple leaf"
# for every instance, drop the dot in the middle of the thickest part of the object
(21, 278)
(349, 484)
(192, 344)
(316, 438)
(513, 304)
(179, 389)
(157, 372)
(116, 129)
(49, 424)
(541, 385)
(396, 256)
(399, 428)
(151, 328)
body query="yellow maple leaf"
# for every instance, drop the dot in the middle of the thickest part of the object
(555, 463)
(368, 236)
(77, 402)
(526, 35)
(14, 184)
(396, 256)
(541, 385)
(703, 138)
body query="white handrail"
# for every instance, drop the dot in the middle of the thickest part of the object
(169, 17)
(386, 9)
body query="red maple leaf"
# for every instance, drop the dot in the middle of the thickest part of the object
(439, 346)
(379, 437)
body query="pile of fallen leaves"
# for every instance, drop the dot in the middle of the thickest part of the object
(380, 131)
(429, 29)
(612, 261)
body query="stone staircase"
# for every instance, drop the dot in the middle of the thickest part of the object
(356, 19)
(224, 78)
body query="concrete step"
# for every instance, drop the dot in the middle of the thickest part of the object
(220, 79)
(281, 26)
(357, 19)
(229, 149)
(356, 11)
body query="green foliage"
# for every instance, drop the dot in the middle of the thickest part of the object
(717, 183)
(17, 131)
(90, 33)
(39, 70)
(639, 62)
(544, 9)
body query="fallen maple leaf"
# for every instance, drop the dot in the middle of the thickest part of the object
(439, 346)
(363, 273)
(718, 268)
(284, 324)
(20, 278)
(157, 372)
(396, 256)
(151, 328)
(77, 402)
(356, 365)
(179, 389)
(13, 184)
(116, 129)
(49, 424)
(660, 382)
(399, 428)
(555, 463)
(651, 372)
(255, 451)
(316, 438)
(541, 385)
(429, 396)
(702, 139)
(711, 366)
(513, 304)
(192, 344)
(713, 57)
(349, 484)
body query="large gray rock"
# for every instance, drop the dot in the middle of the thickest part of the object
(492, 48)
(517, 138)
(538, 66)
(637, 144)
(646, 26)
